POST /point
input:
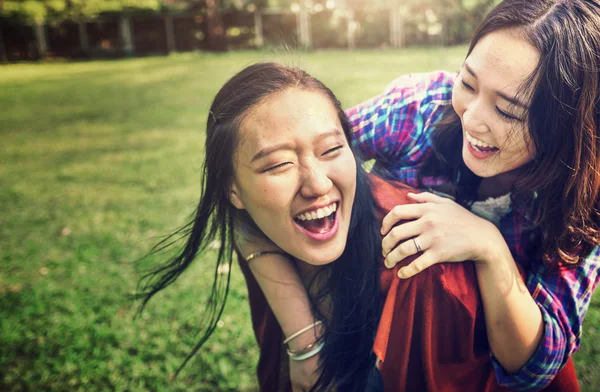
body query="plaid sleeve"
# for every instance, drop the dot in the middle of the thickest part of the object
(395, 125)
(564, 299)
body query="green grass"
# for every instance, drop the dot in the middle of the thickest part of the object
(97, 161)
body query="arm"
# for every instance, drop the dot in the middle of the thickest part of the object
(513, 320)
(532, 328)
(563, 298)
(282, 286)
(395, 125)
(446, 231)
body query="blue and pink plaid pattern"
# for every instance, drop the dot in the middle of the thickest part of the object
(395, 129)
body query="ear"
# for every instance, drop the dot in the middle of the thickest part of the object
(235, 199)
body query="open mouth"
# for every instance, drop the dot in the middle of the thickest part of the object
(479, 145)
(318, 223)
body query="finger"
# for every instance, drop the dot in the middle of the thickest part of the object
(419, 264)
(398, 213)
(426, 197)
(398, 234)
(402, 251)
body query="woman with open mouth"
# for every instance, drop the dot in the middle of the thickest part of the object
(279, 167)
(509, 153)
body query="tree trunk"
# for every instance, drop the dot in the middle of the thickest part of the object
(40, 37)
(83, 38)
(3, 55)
(216, 31)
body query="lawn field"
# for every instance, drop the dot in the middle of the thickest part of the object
(98, 161)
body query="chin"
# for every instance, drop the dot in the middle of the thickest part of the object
(476, 169)
(318, 257)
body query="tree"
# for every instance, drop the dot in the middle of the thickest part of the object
(43, 11)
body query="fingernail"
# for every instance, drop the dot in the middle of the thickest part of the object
(401, 274)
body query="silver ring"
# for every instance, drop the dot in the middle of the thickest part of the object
(417, 245)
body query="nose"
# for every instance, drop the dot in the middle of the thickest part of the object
(473, 117)
(315, 182)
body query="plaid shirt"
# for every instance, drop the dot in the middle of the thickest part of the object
(396, 127)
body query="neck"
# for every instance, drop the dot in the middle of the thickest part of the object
(496, 186)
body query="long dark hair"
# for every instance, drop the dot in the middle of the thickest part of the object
(563, 121)
(351, 283)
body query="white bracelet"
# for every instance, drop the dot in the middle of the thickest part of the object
(309, 354)
(295, 335)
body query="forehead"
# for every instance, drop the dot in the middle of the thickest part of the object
(290, 114)
(504, 59)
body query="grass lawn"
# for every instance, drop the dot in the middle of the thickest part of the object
(98, 160)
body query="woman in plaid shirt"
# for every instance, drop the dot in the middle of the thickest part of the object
(509, 152)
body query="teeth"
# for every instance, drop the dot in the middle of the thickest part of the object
(477, 142)
(318, 214)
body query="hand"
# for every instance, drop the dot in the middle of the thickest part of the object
(304, 374)
(442, 229)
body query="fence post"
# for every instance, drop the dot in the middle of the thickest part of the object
(258, 28)
(351, 31)
(303, 28)
(308, 29)
(299, 28)
(126, 34)
(171, 47)
(83, 37)
(396, 27)
(3, 55)
(400, 27)
(40, 37)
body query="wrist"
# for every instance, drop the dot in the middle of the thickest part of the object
(305, 339)
(493, 250)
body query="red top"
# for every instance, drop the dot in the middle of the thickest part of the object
(431, 335)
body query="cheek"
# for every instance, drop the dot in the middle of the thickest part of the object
(457, 102)
(264, 199)
(344, 175)
(516, 139)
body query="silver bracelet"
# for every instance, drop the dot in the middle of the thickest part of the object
(309, 354)
(295, 335)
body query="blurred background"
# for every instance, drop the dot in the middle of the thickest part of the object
(34, 29)
(103, 105)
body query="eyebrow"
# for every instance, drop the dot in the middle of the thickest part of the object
(508, 98)
(333, 133)
(271, 149)
(288, 146)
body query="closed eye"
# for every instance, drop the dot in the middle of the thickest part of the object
(332, 150)
(467, 86)
(279, 166)
(507, 116)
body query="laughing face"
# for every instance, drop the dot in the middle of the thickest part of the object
(296, 175)
(493, 115)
